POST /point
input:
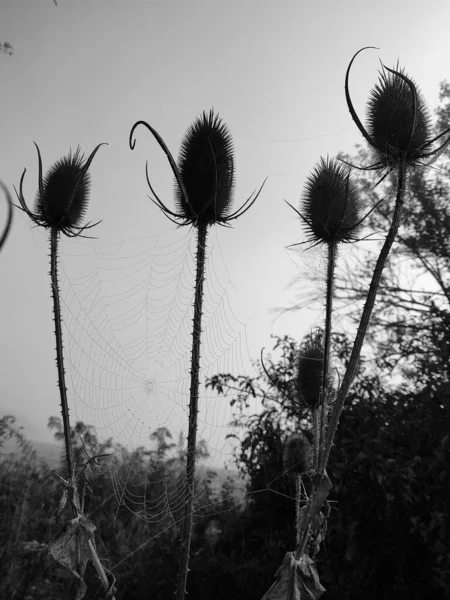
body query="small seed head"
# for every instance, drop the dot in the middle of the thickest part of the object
(297, 455)
(206, 166)
(330, 208)
(308, 373)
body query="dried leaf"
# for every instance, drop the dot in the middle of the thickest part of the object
(296, 580)
(71, 549)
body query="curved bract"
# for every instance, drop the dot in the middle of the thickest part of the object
(204, 173)
(9, 219)
(63, 194)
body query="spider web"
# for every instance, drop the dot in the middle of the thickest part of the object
(128, 311)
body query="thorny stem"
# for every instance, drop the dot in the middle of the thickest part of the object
(365, 318)
(100, 571)
(298, 492)
(60, 365)
(332, 252)
(320, 413)
(356, 351)
(303, 529)
(193, 412)
(316, 431)
(73, 493)
(321, 486)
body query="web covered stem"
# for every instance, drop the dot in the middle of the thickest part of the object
(74, 498)
(60, 365)
(193, 413)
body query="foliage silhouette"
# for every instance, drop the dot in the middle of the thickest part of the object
(387, 534)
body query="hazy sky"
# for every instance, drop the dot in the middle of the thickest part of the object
(83, 72)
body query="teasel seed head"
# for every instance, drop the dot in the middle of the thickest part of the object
(308, 372)
(206, 166)
(398, 121)
(63, 194)
(204, 173)
(330, 206)
(297, 455)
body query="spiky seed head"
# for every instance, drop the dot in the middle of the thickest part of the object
(330, 207)
(206, 166)
(297, 455)
(308, 371)
(65, 196)
(398, 120)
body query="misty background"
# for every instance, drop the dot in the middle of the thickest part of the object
(83, 73)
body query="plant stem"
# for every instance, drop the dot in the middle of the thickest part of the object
(73, 493)
(60, 364)
(356, 351)
(193, 412)
(298, 497)
(368, 307)
(332, 252)
(319, 420)
(316, 433)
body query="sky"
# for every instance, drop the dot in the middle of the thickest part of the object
(84, 72)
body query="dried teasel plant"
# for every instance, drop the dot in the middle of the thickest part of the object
(60, 206)
(204, 185)
(330, 211)
(399, 135)
(331, 214)
(398, 122)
